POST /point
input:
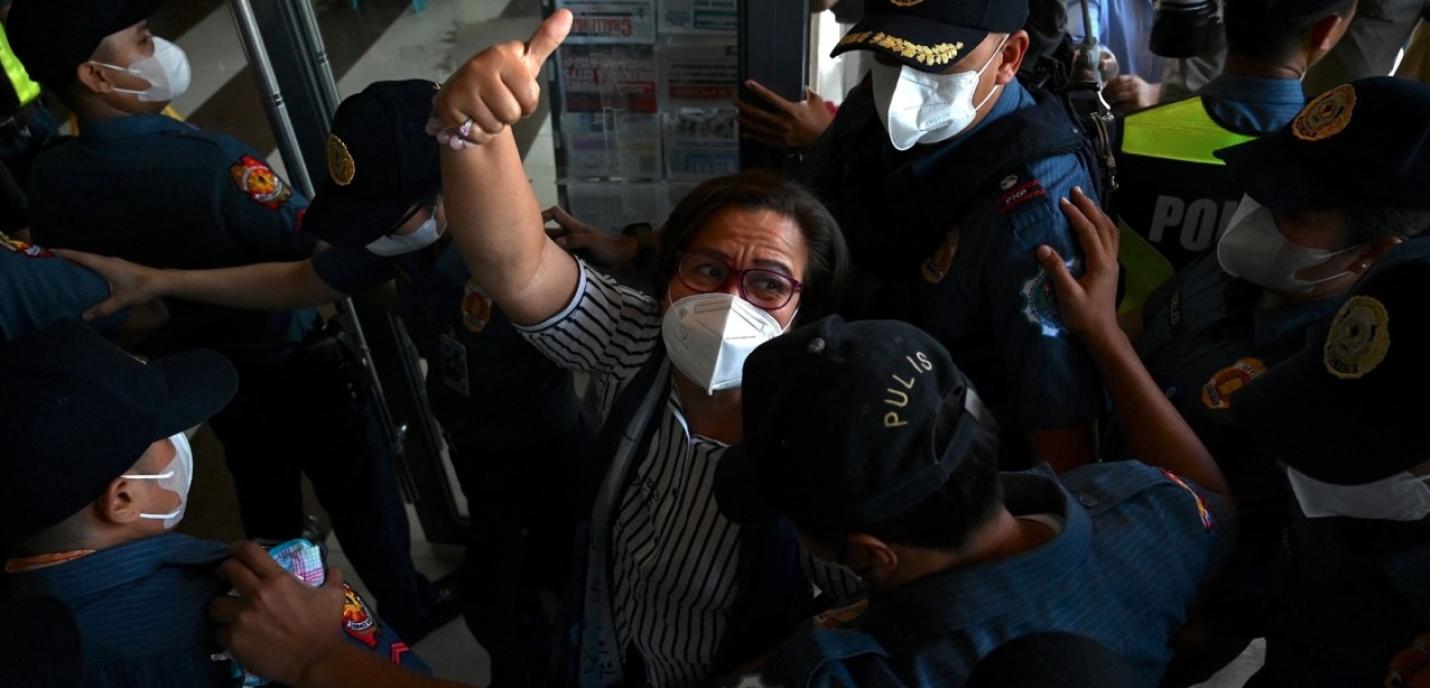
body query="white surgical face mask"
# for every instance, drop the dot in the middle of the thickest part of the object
(709, 336)
(167, 72)
(918, 107)
(1253, 249)
(397, 244)
(1401, 497)
(176, 478)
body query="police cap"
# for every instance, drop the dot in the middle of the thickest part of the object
(1345, 410)
(846, 425)
(381, 162)
(931, 35)
(53, 37)
(76, 411)
(1362, 143)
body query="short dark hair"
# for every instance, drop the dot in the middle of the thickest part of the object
(758, 190)
(1366, 223)
(945, 519)
(1269, 32)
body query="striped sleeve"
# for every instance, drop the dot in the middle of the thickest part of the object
(607, 330)
(838, 582)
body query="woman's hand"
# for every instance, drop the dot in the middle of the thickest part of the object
(1088, 303)
(496, 88)
(611, 250)
(130, 284)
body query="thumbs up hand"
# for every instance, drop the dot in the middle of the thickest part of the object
(497, 87)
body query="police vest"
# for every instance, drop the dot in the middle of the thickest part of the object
(22, 90)
(1175, 196)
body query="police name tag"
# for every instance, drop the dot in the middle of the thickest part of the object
(453, 364)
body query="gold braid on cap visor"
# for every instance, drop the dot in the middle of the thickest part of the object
(933, 56)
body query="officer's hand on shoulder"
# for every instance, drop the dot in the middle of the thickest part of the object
(1088, 304)
(130, 284)
(610, 250)
(498, 86)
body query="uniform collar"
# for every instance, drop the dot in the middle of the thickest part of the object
(1271, 325)
(116, 567)
(1255, 89)
(131, 126)
(969, 597)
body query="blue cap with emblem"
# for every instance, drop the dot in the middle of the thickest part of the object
(1362, 143)
(1344, 410)
(76, 411)
(381, 163)
(931, 35)
(846, 425)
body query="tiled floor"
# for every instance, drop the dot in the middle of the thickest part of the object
(426, 45)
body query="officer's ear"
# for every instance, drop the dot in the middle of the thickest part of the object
(1373, 251)
(119, 503)
(1011, 59)
(93, 78)
(873, 559)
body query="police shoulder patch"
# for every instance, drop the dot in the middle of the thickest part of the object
(24, 248)
(1359, 338)
(1040, 302)
(358, 622)
(256, 179)
(841, 617)
(1216, 393)
(476, 307)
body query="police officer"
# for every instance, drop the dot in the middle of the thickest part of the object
(143, 186)
(1304, 234)
(869, 439)
(25, 123)
(943, 171)
(1355, 608)
(1175, 196)
(512, 417)
(38, 288)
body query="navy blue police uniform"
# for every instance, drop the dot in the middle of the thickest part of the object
(512, 418)
(944, 235)
(1131, 544)
(1352, 607)
(76, 406)
(38, 288)
(164, 193)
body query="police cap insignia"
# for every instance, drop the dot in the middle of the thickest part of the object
(1359, 338)
(1327, 115)
(341, 166)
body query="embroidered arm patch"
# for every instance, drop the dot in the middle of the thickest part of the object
(259, 182)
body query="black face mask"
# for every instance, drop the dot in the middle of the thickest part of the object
(1183, 28)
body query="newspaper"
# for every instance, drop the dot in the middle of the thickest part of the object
(611, 21)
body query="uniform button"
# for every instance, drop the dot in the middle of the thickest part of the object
(1087, 500)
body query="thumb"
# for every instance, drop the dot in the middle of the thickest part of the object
(813, 96)
(548, 38)
(334, 578)
(102, 310)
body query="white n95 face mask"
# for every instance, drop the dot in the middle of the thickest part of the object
(177, 478)
(918, 107)
(1401, 497)
(1253, 249)
(167, 72)
(397, 244)
(709, 336)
